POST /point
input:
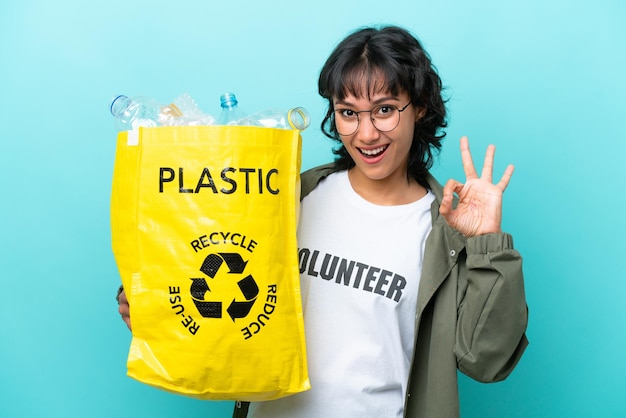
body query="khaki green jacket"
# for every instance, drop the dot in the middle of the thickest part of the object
(471, 312)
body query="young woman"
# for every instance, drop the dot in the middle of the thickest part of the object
(402, 283)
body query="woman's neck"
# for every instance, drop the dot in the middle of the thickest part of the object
(391, 191)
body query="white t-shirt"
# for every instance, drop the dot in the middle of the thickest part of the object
(360, 267)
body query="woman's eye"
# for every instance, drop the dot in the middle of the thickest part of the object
(385, 110)
(347, 113)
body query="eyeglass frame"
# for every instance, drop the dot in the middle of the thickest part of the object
(358, 118)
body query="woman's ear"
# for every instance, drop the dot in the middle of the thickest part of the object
(419, 113)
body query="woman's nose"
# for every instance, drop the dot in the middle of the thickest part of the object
(366, 131)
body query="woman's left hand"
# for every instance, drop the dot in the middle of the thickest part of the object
(479, 209)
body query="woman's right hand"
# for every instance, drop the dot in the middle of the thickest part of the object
(124, 308)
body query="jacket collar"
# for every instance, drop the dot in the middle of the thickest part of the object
(443, 247)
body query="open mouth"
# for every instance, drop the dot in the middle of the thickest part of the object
(374, 152)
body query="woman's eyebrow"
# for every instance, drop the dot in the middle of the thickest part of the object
(374, 102)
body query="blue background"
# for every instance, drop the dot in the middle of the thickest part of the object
(542, 79)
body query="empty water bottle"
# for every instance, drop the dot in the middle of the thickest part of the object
(231, 113)
(131, 113)
(191, 113)
(296, 118)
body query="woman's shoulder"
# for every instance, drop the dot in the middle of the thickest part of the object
(310, 178)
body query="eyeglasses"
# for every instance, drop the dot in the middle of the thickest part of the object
(384, 117)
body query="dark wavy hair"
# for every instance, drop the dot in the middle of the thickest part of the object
(391, 60)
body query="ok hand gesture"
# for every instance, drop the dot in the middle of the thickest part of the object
(479, 209)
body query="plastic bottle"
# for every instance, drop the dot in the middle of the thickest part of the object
(231, 113)
(296, 118)
(131, 113)
(191, 113)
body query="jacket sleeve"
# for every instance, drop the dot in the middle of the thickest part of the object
(492, 310)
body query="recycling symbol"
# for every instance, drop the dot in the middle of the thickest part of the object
(200, 288)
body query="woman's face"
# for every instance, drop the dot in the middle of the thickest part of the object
(379, 155)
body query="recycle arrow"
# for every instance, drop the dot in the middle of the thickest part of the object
(250, 291)
(207, 309)
(213, 262)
